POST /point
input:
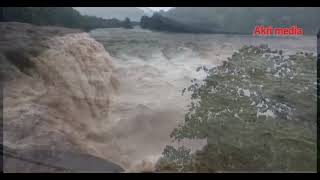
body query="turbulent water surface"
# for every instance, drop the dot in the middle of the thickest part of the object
(152, 69)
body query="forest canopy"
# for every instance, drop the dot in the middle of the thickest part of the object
(251, 111)
(58, 16)
(241, 20)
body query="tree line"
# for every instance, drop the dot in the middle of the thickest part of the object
(234, 20)
(59, 16)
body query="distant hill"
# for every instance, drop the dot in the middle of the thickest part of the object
(120, 13)
(161, 23)
(244, 19)
(58, 16)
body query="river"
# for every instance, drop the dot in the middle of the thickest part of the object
(153, 68)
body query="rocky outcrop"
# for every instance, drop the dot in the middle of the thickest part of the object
(57, 88)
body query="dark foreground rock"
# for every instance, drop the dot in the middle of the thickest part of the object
(55, 161)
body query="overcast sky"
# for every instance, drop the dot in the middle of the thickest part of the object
(160, 8)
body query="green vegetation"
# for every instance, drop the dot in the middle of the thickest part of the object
(58, 16)
(257, 112)
(161, 23)
(127, 23)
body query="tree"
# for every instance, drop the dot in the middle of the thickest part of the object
(58, 16)
(127, 23)
(161, 23)
(249, 121)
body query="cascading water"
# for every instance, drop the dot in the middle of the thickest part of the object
(152, 69)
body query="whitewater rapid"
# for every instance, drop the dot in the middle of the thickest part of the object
(152, 69)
